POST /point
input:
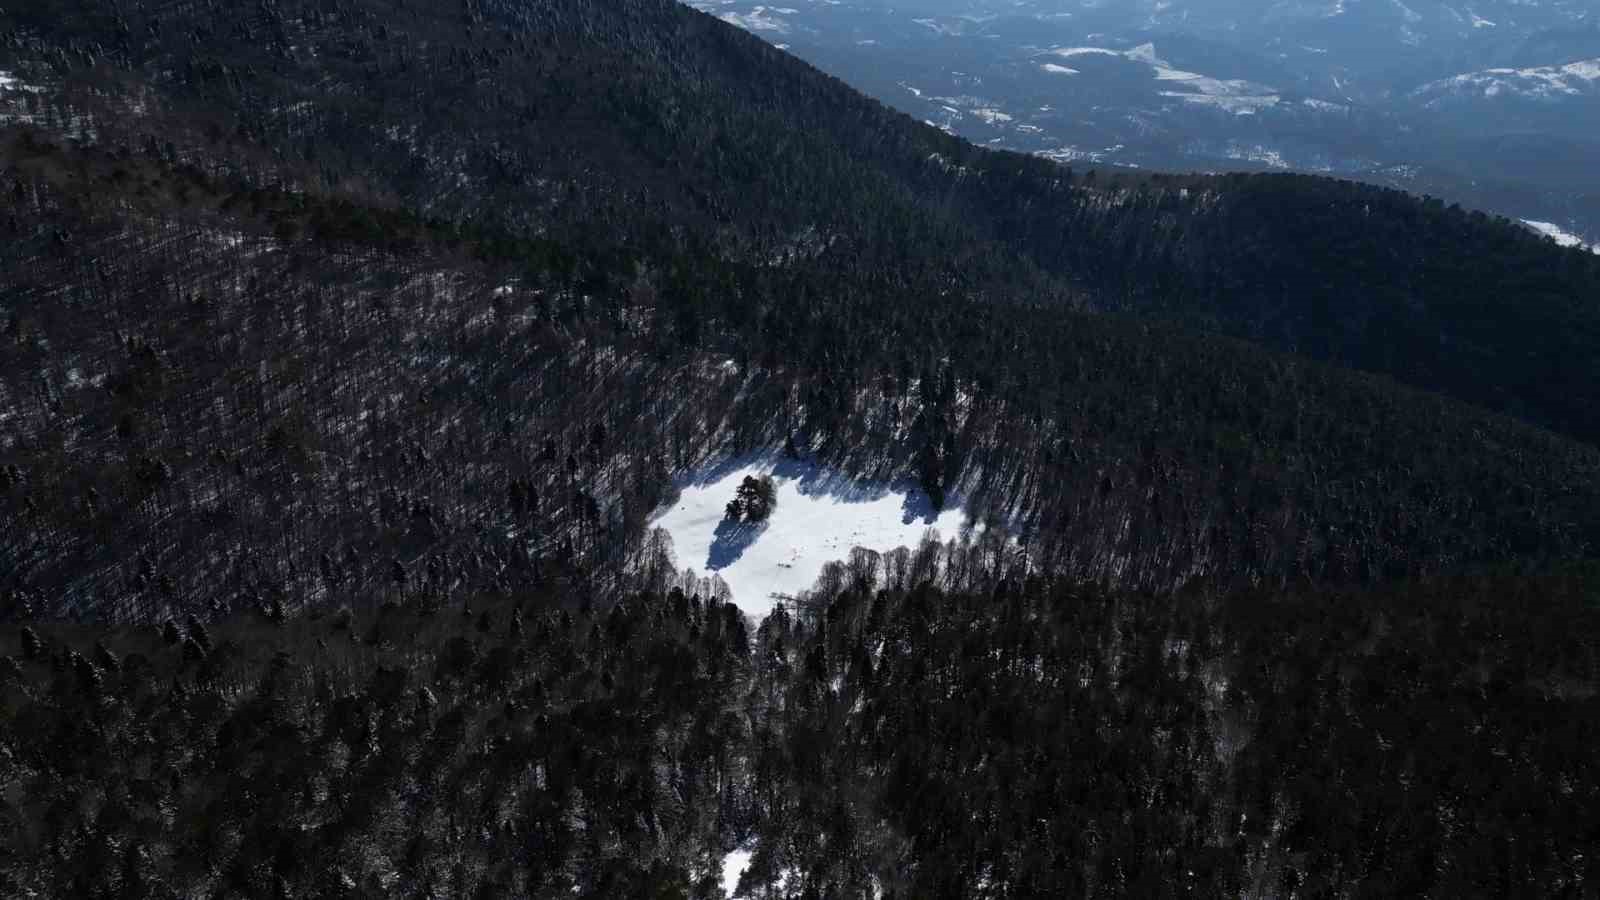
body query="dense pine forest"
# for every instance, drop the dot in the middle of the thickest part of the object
(348, 348)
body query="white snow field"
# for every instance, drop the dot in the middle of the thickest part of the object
(1231, 95)
(821, 515)
(734, 864)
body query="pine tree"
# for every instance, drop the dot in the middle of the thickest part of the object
(754, 500)
(31, 645)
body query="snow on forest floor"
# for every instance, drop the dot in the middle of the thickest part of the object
(733, 865)
(820, 516)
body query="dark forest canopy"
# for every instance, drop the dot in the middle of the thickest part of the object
(205, 415)
(952, 733)
(347, 348)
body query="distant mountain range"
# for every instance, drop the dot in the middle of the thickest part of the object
(1494, 105)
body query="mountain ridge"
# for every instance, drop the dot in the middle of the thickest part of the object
(351, 352)
(873, 179)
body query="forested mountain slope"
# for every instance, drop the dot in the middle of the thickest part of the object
(221, 398)
(347, 348)
(664, 123)
(951, 734)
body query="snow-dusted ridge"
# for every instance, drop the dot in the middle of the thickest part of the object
(1540, 83)
(821, 515)
(1560, 235)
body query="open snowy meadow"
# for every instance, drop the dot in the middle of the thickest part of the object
(819, 517)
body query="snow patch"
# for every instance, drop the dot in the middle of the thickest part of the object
(1145, 53)
(1324, 106)
(1538, 83)
(1239, 106)
(820, 516)
(1067, 153)
(1070, 52)
(733, 865)
(991, 115)
(1259, 154)
(759, 20)
(1233, 95)
(938, 28)
(1560, 235)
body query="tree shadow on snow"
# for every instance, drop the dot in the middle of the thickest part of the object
(918, 505)
(812, 479)
(731, 540)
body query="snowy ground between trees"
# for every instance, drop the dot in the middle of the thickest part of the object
(733, 865)
(821, 514)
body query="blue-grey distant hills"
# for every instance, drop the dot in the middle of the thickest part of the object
(1494, 104)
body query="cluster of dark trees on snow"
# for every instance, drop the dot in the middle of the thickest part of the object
(754, 499)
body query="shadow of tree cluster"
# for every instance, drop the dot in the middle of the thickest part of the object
(732, 540)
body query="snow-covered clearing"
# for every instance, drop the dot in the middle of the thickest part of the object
(734, 864)
(820, 516)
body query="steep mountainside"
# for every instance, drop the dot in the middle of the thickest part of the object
(349, 348)
(665, 124)
(219, 397)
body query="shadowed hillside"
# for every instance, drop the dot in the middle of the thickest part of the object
(682, 135)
